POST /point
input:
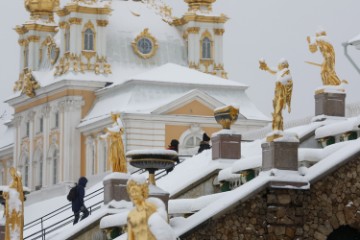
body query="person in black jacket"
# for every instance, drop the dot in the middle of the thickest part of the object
(78, 204)
(174, 145)
(204, 144)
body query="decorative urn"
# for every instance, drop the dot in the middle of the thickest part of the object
(152, 160)
(226, 116)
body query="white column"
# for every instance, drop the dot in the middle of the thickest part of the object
(31, 117)
(46, 133)
(70, 142)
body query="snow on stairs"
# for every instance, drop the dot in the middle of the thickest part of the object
(58, 219)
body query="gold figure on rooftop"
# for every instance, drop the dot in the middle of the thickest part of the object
(117, 152)
(328, 74)
(14, 207)
(283, 92)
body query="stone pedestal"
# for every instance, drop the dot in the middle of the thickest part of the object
(115, 187)
(226, 146)
(330, 104)
(156, 192)
(280, 155)
(2, 232)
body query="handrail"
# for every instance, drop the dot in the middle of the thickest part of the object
(63, 208)
(55, 226)
(49, 229)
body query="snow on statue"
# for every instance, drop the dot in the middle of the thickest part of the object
(283, 91)
(117, 152)
(14, 207)
(148, 219)
(321, 43)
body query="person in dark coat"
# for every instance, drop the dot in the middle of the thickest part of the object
(78, 205)
(174, 145)
(204, 144)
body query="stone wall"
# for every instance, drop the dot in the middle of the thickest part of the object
(284, 214)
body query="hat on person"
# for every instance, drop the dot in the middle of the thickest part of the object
(174, 143)
(206, 137)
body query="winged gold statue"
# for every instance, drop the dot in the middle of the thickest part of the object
(283, 91)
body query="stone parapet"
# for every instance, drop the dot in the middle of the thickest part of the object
(226, 146)
(115, 189)
(280, 155)
(330, 104)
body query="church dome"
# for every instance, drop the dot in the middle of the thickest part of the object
(41, 6)
(132, 22)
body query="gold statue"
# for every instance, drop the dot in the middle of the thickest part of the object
(14, 207)
(27, 83)
(283, 91)
(137, 220)
(117, 152)
(328, 74)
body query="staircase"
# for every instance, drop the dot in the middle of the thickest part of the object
(63, 216)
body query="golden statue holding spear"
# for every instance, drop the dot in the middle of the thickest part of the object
(328, 74)
(283, 92)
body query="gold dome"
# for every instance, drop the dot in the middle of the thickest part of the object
(41, 6)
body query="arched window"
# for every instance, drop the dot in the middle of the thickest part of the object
(55, 163)
(26, 171)
(206, 48)
(38, 169)
(192, 141)
(89, 40)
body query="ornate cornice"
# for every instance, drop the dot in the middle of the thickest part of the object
(194, 30)
(40, 28)
(34, 38)
(21, 30)
(199, 18)
(83, 9)
(23, 42)
(64, 25)
(102, 23)
(219, 31)
(75, 20)
(70, 104)
(46, 110)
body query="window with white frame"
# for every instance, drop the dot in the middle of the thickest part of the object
(41, 124)
(89, 40)
(38, 168)
(56, 120)
(55, 163)
(206, 48)
(27, 129)
(192, 141)
(26, 173)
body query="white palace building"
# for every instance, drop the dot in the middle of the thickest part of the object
(82, 59)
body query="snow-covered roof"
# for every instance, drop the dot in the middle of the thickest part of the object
(144, 93)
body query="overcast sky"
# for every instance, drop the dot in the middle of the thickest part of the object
(272, 29)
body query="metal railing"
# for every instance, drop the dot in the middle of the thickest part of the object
(42, 229)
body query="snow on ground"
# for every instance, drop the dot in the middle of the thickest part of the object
(194, 169)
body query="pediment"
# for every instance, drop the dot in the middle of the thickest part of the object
(195, 103)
